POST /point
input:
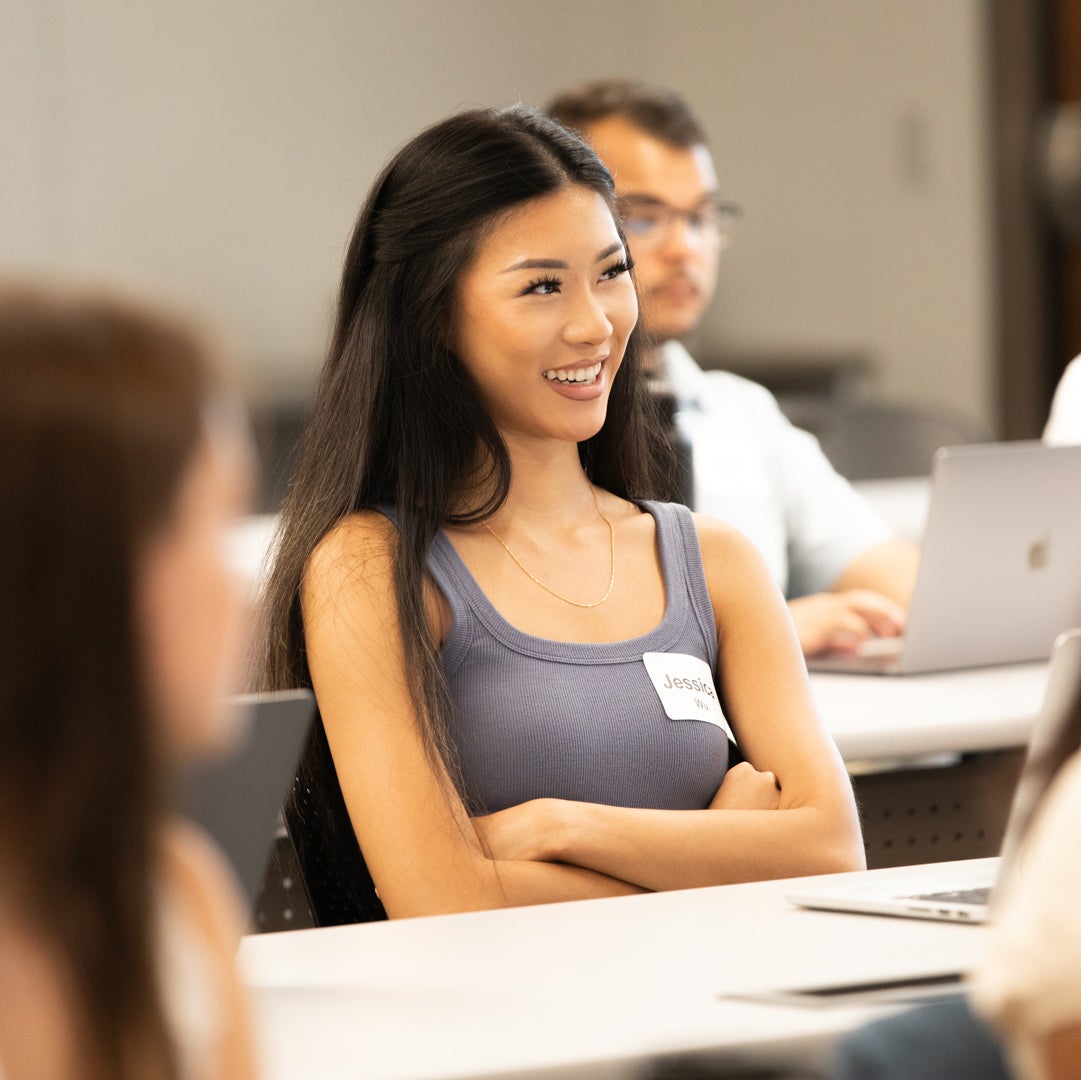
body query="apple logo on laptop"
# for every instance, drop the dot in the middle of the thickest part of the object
(1038, 552)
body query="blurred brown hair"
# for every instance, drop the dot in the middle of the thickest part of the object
(101, 406)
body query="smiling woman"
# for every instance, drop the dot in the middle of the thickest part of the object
(476, 580)
(522, 337)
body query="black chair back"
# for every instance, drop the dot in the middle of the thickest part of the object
(319, 846)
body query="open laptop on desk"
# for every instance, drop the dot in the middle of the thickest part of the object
(1056, 736)
(238, 797)
(999, 573)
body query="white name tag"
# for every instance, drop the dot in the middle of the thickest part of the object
(685, 686)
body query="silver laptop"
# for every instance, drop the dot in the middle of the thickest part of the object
(238, 797)
(999, 573)
(960, 892)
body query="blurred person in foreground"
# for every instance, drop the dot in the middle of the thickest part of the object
(1027, 984)
(121, 466)
(845, 576)
(1021, 1017)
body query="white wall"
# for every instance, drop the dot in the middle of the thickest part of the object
(853, 133)
(217, 151)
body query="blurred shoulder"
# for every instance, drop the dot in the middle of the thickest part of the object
(203, 919)
(202, 883)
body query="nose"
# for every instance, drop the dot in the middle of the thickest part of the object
(589, 323)
(681, 240)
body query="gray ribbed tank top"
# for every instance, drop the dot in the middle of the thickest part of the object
(538, 718)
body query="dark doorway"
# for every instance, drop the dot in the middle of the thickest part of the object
(1035, 50)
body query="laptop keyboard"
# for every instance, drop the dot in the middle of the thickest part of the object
(886, 648)
(979, 895)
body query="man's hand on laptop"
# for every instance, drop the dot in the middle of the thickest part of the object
(843, 621)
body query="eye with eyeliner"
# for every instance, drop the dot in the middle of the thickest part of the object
(622, 266)
(549, 282)
(544, 282)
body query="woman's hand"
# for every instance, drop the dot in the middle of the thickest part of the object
(527, 832)
(745, 788)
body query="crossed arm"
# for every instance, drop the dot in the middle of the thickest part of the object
(427, 856)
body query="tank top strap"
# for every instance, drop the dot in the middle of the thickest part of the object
(680, 552)
(461, 592)
(458, 589)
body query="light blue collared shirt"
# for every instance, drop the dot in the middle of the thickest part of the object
(770, 480)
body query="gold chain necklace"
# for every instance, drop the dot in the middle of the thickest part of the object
(548, 589)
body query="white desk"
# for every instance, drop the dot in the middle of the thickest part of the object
(877, 716)
(592, 988)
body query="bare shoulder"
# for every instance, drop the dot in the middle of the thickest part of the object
(723, 546)
(736, 573)
(203, 883)
(359, 539)
(208, 897)
(355, 556)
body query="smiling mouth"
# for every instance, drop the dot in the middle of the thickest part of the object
(582, 376)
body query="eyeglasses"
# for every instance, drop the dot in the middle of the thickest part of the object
(648, 222)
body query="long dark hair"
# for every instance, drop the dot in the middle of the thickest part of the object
(396, 421)
(100, 415)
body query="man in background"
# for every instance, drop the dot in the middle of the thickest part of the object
(845, 576)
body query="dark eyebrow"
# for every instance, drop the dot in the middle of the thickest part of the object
(537, 264)
(633, 199)
(641, 200)
(557, 264)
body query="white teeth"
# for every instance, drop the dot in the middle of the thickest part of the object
(574, 375)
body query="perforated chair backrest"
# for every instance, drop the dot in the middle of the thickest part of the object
(335, 876)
